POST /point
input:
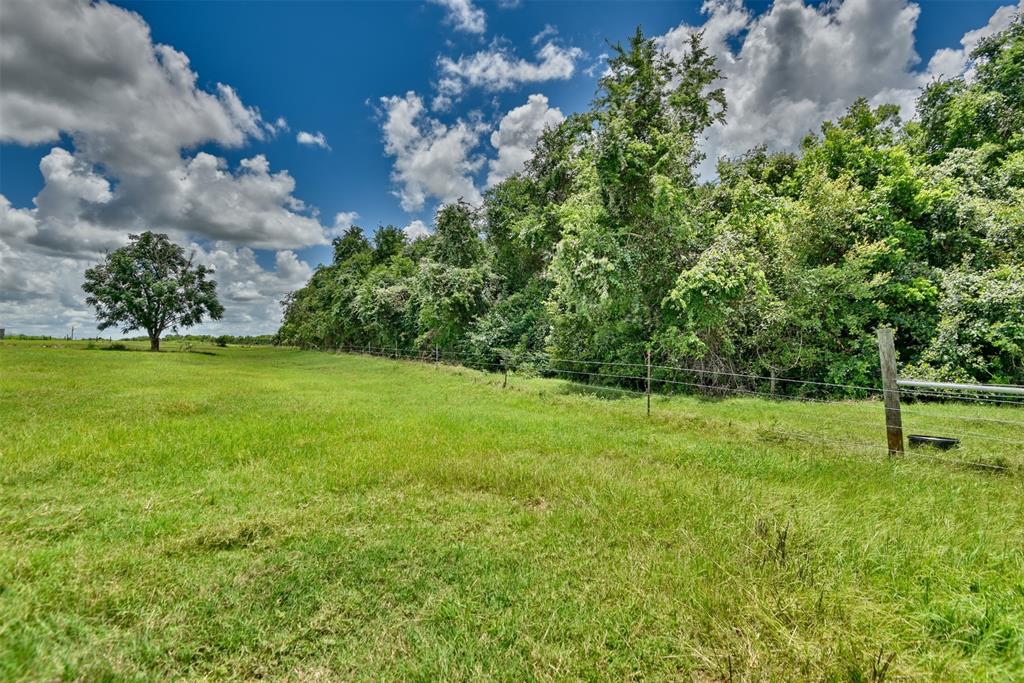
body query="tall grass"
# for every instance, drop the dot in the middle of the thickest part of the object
(261, 512)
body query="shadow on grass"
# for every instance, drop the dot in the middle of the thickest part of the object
(122, 347)
(607, 393)
(616, 393)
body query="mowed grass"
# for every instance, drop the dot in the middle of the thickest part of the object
(274, 513)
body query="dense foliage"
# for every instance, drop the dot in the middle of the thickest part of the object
(607, 246)
(151, 284)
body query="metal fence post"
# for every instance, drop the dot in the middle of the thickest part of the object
(890, 391)
(648, 383)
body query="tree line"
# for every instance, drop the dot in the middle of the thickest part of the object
(607, 245)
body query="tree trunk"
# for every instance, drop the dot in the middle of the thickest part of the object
(154, 342)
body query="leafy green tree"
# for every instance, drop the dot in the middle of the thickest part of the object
(388, 242)
(981, 333)
(386, 304)
(517, 232)
(311, 314)
(350, 244)
(450, 299)
(650, 112)
(707, 296)
(628, 225)
(514, 328)
(988, 111)
(151, 284)
(455, 283)
(457, 236)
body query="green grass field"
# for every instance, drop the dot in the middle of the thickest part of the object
(273, 513)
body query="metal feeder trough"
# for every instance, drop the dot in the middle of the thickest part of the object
(943, 442)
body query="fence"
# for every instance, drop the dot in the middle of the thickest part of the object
(640, 379)
(893, 386)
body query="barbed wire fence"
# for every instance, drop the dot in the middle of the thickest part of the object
(644, 379)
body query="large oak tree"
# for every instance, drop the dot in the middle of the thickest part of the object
(151, 284)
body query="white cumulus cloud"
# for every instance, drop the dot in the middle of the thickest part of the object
(92, 72)
(463, 15)
(431, 159)
(416, 229)
(317, 139)
(517, 133)
(951, 62)
(498, 68)
(798, 64)
(251, 294)
(343, 220)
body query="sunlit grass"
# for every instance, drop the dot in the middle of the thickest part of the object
(243, 513)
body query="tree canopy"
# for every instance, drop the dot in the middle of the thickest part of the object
(607, 245)
(151, 284)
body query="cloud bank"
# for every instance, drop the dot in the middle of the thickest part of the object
(797, 64)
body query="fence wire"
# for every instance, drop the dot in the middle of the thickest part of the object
(606, 378)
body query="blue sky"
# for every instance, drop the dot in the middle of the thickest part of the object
(324, 67)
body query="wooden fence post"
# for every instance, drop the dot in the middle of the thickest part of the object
(437, 356)
(504, 370)
(890, 391)
(648, 383)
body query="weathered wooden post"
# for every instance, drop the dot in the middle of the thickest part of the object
(648, 383)
(504, 370)
(437, 356)
(890, 391)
